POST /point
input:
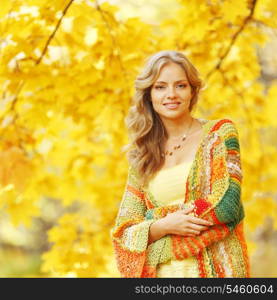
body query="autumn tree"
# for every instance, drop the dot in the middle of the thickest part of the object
(67, 70)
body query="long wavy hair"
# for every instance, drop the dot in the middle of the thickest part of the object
(147, 134)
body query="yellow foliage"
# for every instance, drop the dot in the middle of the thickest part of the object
(232, 11)
(66, 84)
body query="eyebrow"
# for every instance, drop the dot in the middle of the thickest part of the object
(175, 81)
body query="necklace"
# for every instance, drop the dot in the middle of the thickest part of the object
(184, 137)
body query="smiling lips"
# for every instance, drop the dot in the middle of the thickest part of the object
(171, 105)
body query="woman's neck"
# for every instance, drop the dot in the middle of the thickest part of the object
(176, 129)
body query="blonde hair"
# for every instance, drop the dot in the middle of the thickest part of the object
(146, 130)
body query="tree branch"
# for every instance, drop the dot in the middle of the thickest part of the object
(21, 84)
(234, 38)
(247, 112)
(240, 95)
(113, 40)
(54, 32)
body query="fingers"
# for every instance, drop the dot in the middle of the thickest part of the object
(195, 219)
(190, 232)
(187, 210)
(197, 227)
(193, 232)
(200, 221)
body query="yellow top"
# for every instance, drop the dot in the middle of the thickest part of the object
(169, 187)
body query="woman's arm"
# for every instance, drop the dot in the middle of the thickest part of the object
(131, 230)
(223, 206)
(179, 222)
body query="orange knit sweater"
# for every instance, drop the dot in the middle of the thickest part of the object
(213, 187)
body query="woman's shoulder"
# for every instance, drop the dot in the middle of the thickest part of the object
(223, 126)
(219, 125)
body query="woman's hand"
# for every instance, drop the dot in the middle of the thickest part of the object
(180, 222)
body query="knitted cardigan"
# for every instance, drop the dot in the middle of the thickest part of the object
(213, 187)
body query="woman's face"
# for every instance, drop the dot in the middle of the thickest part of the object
(171, 92)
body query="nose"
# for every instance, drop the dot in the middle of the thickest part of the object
(171, 93)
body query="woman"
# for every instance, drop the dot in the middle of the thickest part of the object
(181, 213)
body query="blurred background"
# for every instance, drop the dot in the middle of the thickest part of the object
(67, 70)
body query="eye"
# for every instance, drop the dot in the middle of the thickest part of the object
(182, 85)
(159, 87)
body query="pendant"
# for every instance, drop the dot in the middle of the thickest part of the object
(177, 147)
